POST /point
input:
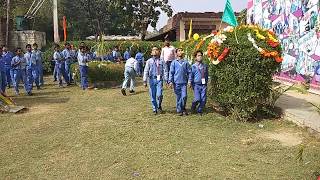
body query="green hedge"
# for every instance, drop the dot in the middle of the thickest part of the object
(101, 72)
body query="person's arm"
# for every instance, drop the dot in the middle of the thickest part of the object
(189, 71)
(191, 76)
(171, 72)
(162, 54)
(165, 71)
(135, 66)
(146, 73)
(207, 74)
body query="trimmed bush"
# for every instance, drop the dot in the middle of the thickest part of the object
(101, 72)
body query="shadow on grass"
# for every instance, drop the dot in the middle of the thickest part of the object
(30, 101)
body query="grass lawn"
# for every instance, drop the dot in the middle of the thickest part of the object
(100, 134)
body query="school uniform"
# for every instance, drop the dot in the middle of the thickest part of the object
(126, 55)
(83, 60)
(178, 76)
(130, 73)
(168, 54)
(139, 57)
(2, 75)
(7, 57)
(116, 55)
(32, 70)
(59, 60)
(155, 73)
(38, 55)
(199, 80)
(18, 65)
(67, 55)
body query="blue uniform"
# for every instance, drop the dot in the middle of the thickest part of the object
(67, 55)
(199, 80)
(2, 75)
(155, 73)
(178, 76)
(126, 55)
(116, 55)
(83, 60)
(7, 56)
(18, 65)
(60, 66)
(38, 55)
(31, 70)
(139, 57)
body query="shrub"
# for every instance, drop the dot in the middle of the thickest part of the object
(241, 73)
(101, 72)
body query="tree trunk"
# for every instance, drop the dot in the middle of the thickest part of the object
(8, 21)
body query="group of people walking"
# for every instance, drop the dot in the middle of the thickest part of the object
(21, 67)
(169, 66)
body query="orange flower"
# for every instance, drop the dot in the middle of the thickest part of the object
(278, 59)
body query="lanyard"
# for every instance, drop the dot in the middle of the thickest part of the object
(157, 63)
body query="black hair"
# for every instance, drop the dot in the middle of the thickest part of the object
(67, 44)
(35, 44)
(178, 49)
(56, 46)
(17, 49)
(196, 53)
(28, 45)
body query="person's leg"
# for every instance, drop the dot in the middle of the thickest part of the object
(66, 71)
(126, 79)
(41, 75)
(59, 74)
(183, 97)
(153, 94)
(160, 94)
(133, 80)
(3, 81)
(8, 76)
(203, 99)
(35, 76)
(197, 97)
(25, 80)
(85, 78)
(81, 76)
(64, 74)
(16, 78)
(29, 79)
(177, 91)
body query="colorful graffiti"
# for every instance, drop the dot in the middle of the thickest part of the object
(297, 26)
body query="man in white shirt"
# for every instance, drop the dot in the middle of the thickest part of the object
(168, 54)
(130, 74)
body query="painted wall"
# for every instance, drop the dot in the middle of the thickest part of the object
(296, 24)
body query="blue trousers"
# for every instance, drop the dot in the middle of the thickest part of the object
(200, 97)
(40, 70)
(140, 68)
(129, 75)
(55, 72)
(17, 75)
(32, 77)
(68, 71)
(3, 80)
(156, 90)
(8, 75)
(181, 97)
(84, 77)
(62, 73)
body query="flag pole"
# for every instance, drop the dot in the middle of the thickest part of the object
(235, 34)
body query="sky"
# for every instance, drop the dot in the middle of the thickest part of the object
(200, 6)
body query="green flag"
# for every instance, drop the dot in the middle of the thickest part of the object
(229, 16)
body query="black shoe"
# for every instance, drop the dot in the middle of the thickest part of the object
(185, 113)
(29, 94)
(180, 114)
(155, 113)
(123, 91)
(160, 110)
(131, 91)
(55, 80)
(38, 88)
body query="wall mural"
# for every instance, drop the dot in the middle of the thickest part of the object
(296, 24)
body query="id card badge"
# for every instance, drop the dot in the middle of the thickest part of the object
(203, 80)
(158, 77)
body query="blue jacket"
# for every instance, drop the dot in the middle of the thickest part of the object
(139, 57)
(2, 64)
(67, 55)
(179, 72)
(153, 68)
(30, 59)
(198, 71)
(126, 55)
(38, 55)
(7, 58)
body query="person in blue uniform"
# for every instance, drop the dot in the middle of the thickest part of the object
(83, 60)
(127, 54)
(32, 68)
(198, 80)
(18, 65)
(60, 63)
(2, 74)
(7, 57)
(38, 55)
(178, 79)
(67, 55)
(155, 74)
(140, 58)
(130, 73)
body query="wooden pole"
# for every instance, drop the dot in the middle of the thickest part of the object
(55, 22)
(8, 21)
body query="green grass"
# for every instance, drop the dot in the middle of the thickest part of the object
(73, 134)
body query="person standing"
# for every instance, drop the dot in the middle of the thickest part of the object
(83, 60)
(130, 74)
(155, 73)
(18, 65)
(140, 58)
(38, 55)
(7, 57)
(32, 68)
(127, 54)
(2, 74)
(59, 59)
(198, 80)
(178, 79)
(67, 55)
(168, 54)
